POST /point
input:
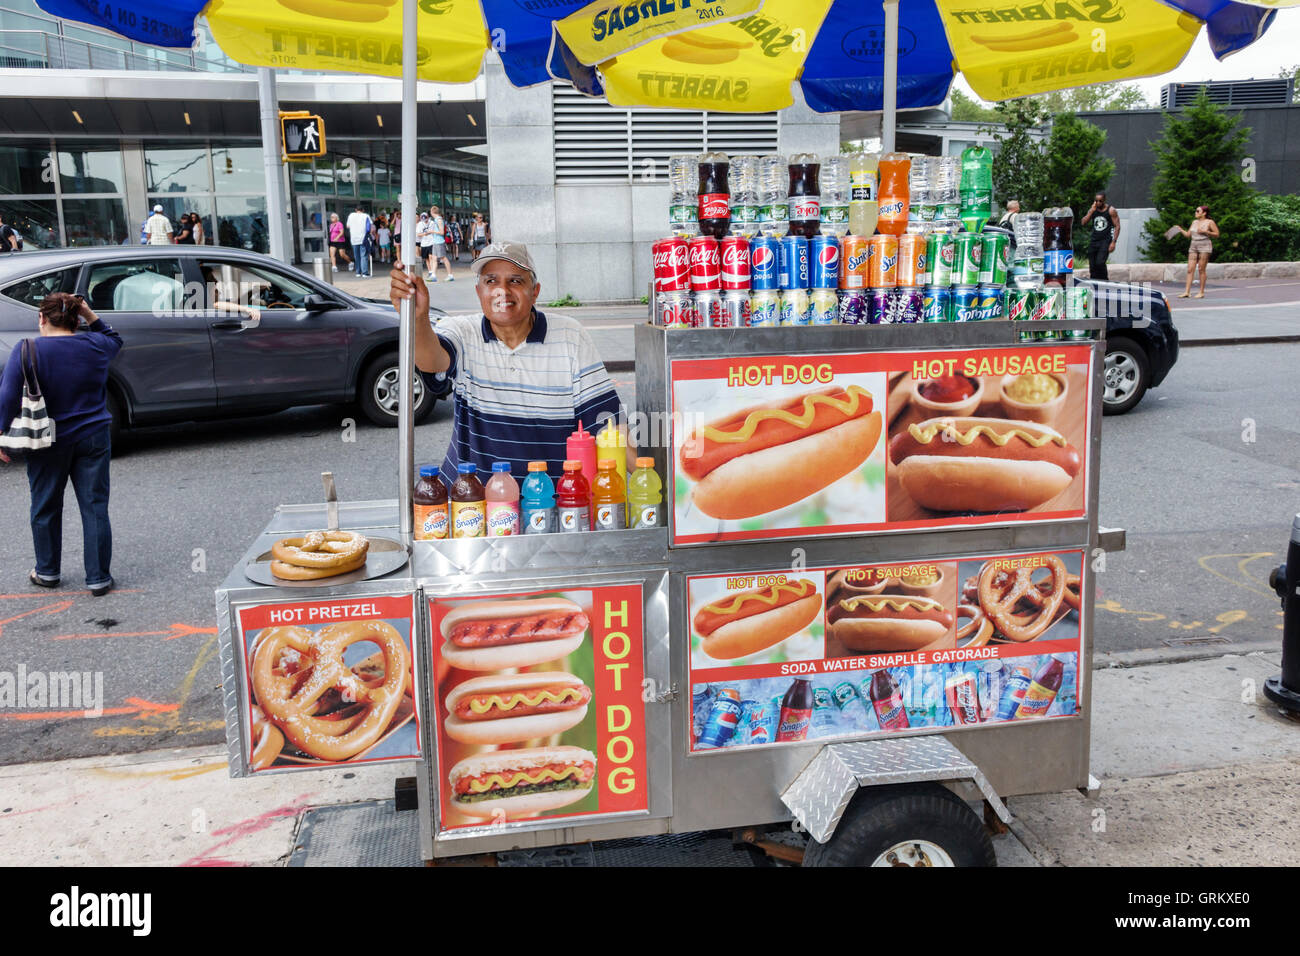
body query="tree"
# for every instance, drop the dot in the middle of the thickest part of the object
(1019, 164)
(967, 110)
(1199, 162)
(1099, 96)
(1075, 169)
(1292, 73)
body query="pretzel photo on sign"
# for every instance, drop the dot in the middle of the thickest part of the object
(1001, 591)
(326, 709)
(977, 631)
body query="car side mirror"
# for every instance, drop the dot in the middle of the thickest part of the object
(319, 303)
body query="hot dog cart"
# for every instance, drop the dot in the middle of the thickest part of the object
(660, 759)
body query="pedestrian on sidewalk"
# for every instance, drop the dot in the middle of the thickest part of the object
(385, 240)
(9, 241)
(359, 234)
(158, 228)
(72, 369)
(439, 244)
(196, 230)
(1102, 223)
(454, 237)
(1008, 222)
(186, 236)
(424, 238)
(397, 236)
(338, 244)
(1198, 256)
(479, 233)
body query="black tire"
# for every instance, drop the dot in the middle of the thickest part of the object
(1125, 376)
(878, 819)
(119, 421)
(376, 396)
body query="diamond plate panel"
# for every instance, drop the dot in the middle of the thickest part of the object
(821, 792)
(229, 687)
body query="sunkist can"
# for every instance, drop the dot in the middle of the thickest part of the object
(764, 308)
(853, 262)
(967, 255)
(825, 307)
(882, 261)
(824, 256)
(940, 250)
(763, 259)
(936, 304)
(911, 260)
(993, 258)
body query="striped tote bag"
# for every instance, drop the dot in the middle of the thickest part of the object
(32, 428)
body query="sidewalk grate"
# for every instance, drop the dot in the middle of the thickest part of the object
(1194, 641)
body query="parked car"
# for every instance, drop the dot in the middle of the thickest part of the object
(212, 332)
(1141, 341)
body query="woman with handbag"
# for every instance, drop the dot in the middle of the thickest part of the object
(70, 372)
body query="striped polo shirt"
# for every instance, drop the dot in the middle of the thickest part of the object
(520, 405)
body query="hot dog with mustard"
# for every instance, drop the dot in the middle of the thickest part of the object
(748, 621)
(889, 622)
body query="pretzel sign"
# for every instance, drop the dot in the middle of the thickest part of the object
(975, 632)
(1000, 591)
(291, 700)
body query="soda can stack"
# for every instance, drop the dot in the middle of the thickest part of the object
(824, 254)
(1078, 305)
(795, 278)
(734, 251)
(764, 297)
(673, 304)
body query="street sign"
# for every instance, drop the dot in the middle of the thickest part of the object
(302, 135)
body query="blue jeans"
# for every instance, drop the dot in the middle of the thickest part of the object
(361, 255)
(85, 461)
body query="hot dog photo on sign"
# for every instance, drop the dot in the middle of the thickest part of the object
(891, 608)
(778, 445)
(756, 619)
(980, 434)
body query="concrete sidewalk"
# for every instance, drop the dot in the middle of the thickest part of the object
(1196, 767)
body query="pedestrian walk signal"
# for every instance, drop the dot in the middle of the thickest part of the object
(302, 135)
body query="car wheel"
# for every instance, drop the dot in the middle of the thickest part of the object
(917, 825)
(1125, 375)
(115, 427)
(378, 393)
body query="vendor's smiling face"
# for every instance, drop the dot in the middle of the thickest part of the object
(506, 293)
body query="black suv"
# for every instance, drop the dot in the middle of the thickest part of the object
(212, 332)
(1141, 341)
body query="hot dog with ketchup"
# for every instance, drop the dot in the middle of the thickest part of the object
(769, 456)
(982, 464)
(495, 635)
(508, 708)
(748, 621)
(889, 622)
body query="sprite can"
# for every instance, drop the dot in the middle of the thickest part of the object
(936, 304)
(967, 255)
(940, 252)
(993, 258)
(1078, 301)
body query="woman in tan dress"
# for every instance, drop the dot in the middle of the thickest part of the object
(1198, 256)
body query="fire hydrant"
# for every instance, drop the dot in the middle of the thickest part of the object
(1284, 690)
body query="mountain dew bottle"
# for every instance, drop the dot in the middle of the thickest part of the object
(644, 496)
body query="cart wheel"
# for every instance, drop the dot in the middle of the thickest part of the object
(916, 825)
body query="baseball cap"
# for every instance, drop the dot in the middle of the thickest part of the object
(515, 252)
(157, 208)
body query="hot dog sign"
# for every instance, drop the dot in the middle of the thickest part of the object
(884, 441)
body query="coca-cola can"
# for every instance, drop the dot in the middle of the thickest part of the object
(735, 263)
(676, 310)
(705, 264)
(672, 265)
(708, 310)
(735, 309)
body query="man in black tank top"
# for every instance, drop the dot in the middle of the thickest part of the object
(1102, 222)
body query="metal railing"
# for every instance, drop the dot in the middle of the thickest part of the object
(36, 49)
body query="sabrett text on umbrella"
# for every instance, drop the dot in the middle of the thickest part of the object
(1094, 11)
(342, 47)
(682, 85)
(1067, 64)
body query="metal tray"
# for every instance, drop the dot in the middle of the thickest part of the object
(385, 557)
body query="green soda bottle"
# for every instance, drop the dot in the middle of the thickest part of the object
(644, 496)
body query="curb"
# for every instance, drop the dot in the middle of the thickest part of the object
(1145, 657)
(1239, 340)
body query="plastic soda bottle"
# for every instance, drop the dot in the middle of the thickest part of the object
(610, 497)
(573, 500)
(1058, 245)
(804, 193)
(864, 207)
(894, 197)
(1042, 690)
(502, 496)
(468, 504)
(430, 505)
(611, 443)
(976, 187)
(644, 496)
(537, 500)
(796, 711)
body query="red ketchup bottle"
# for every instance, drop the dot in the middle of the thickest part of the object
(581, 447)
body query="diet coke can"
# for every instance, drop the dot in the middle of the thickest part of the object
(735, 263)
(735, 309)
(676, 310)
(672, 265)
(705, 264)
(708, 310)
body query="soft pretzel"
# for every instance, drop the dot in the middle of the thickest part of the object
(318, 554)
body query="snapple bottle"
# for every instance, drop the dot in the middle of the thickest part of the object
(502, 496)
(887, 701)
(796, 711)
(430, 505)
(1042, 690)
(468, 503)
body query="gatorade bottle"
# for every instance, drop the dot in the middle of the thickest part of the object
(581, 447)
(430, 501)
(502, 496)
(644, 496)
(610, 443)
(538, 500)
(864, 208)
(573, 499)
(610, 497)
(893, 195)
(468, 504)
(976, 187)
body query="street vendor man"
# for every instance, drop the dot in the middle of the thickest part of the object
(523, 381)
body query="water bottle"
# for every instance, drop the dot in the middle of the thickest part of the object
(683, 181)
(744, 196)
(773, 203)
(1027, 269)
(976, 187)
(946, 195)
(921, 212)
(835, 195)
(1065, 703)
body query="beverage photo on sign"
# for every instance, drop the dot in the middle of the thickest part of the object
(539, 706)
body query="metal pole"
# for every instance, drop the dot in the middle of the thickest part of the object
(406, 334)
(269, 106)
(889, 114)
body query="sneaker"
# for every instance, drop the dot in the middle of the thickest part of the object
(335, 268)
(431, 278)
(100, 590)
(451, 278)
(41, 582)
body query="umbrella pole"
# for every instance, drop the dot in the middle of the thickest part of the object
(406, 333)
(890, 112)
(272, 164)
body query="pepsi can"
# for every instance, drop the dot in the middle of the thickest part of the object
(724, 717)
(763, 263)
(825, 307)
(764, 308)
(853, 307)
(824, 253)
(877, 306)
(936, 304)
(794, 271)
(795, 307)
